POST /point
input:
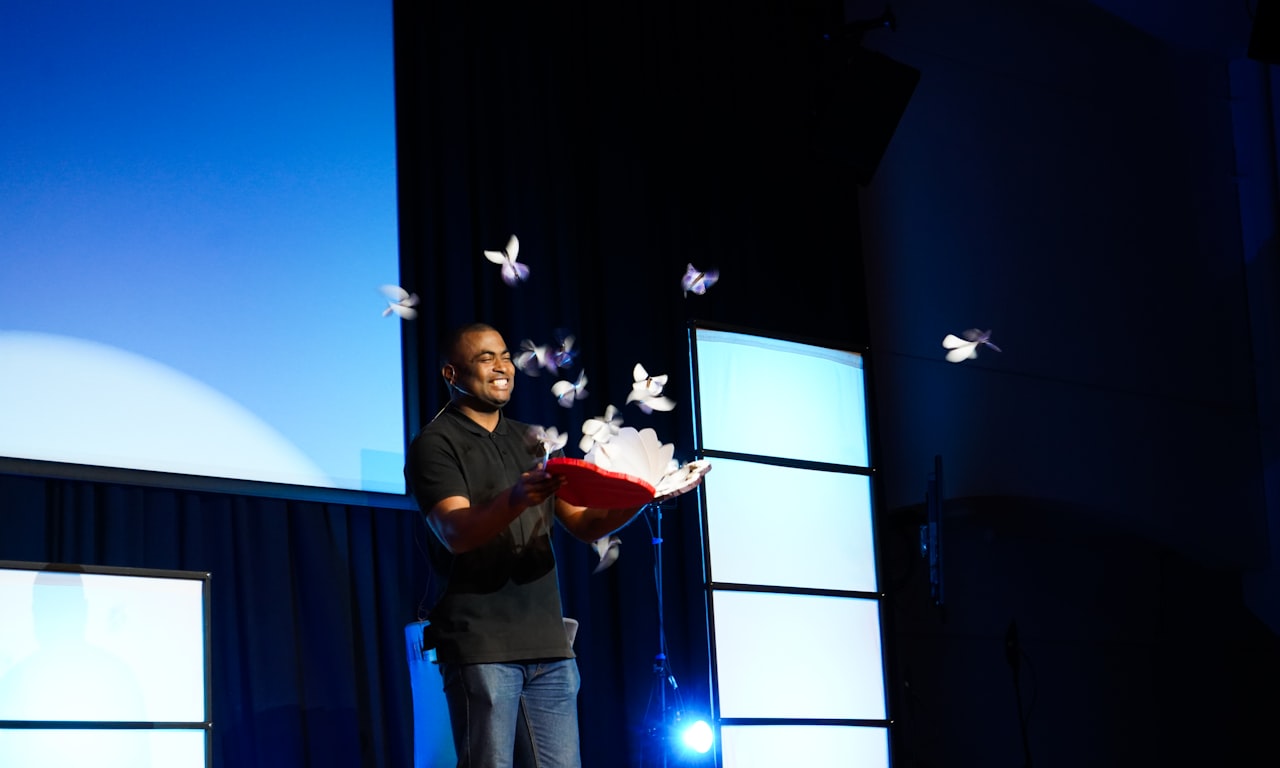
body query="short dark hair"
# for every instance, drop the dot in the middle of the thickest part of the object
(449, 345)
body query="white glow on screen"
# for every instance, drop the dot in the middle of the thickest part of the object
(101, 647)
(818, 525)
(128, 416)
(767, 397)
(202, 199)
(798, 656)
(770, 746)
(70, 748)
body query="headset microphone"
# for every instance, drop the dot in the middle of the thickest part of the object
(453, 383)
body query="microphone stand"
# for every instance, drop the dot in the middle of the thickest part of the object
(659, 727)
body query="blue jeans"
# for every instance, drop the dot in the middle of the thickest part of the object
(523, 715)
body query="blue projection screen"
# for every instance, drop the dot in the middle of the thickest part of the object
(197, 213)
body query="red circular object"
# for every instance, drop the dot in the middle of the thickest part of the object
(587, 485)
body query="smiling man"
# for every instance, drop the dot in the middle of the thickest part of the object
(507, 663)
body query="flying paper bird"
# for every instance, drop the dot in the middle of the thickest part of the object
(512, 271)
(600, 429)
(698, 282)
(400, 301)
(566, 393)
(607, 548)
(646, 391)
(966, 348)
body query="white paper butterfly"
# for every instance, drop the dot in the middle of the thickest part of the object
(698, 282)
(531, 358)
(512, 271)
(966, 348)
(607, 548)
(646, 392)
(400, 301)
(561, 354)
(546, 441)
(566, 393)
(600, 429)
(681, 479)
(646, 384)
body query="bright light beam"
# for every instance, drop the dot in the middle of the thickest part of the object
(698, 736)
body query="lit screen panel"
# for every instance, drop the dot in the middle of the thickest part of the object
(769, 746)
(817, 524)
(101, 647)
(809, 388)
(798, 656)
(104, 748)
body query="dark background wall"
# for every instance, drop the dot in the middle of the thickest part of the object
(1072, 175)
(1095, 182)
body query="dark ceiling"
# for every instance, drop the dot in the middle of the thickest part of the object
(1221, 27)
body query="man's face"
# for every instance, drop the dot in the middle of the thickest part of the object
(482, 369)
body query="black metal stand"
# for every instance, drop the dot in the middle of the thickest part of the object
(659, 724)
(1013, 653)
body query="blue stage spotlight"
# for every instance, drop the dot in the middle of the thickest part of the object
(697, 736)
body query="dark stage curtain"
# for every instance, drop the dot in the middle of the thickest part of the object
(309, 602)
(620, 143)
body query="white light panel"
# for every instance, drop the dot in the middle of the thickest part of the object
(798, 656)
(818, 527)
(101, 647)
(767, 397)
(102, 748)
(770, 746)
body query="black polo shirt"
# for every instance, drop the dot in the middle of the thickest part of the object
(500, 601)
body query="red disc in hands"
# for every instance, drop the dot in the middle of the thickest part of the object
(587, 485)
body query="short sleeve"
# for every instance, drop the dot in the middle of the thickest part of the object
(433, 471)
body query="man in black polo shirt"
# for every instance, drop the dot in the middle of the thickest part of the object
(496, 623)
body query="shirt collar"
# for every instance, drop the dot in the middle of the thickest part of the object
(474, 428)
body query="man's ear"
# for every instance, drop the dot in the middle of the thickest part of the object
(449, 373)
